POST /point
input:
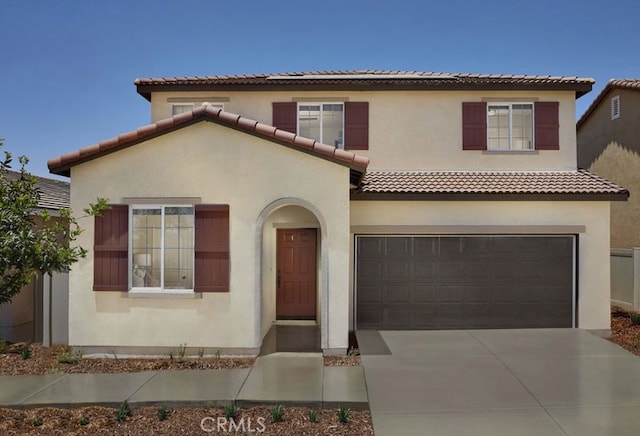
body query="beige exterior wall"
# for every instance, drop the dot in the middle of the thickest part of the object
(622, 166)
(219, 165)
(589, 218)
(412, 130)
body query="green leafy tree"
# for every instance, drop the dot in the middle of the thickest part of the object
(27, 248)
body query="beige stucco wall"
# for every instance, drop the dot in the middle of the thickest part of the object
(530, 217)
(219, 165)
(622, 166)
(413, 129)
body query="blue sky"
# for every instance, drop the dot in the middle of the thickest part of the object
(67, 67)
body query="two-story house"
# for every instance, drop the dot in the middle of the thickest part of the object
(609, 146)
(358, 200)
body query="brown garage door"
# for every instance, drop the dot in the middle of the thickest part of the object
(420, 282)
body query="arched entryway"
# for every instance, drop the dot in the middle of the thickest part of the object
(292, 267)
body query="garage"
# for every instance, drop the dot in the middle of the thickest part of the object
(464, 282)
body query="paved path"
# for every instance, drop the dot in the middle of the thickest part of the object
(500, 382)
(287, 378)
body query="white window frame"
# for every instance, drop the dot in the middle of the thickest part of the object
(160, 288)
(510, 104)
(321, 103)
(193, 106)
(615, 107)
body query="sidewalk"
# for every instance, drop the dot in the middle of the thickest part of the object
(298, 379)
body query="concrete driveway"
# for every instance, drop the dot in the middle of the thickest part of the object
(500, 382)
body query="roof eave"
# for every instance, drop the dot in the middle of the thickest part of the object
(486, 196)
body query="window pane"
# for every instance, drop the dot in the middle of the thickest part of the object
(309, 121)
(332, 122)
(146, 245)
(178, 248)
(522, 126)
(498, 127)
(180, 108)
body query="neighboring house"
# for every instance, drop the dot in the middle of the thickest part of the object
(441, 201)
(609, 145)
(40, 311)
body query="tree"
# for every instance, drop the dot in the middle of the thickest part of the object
(27, 248)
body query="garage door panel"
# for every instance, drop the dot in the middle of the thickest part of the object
(423, 294)
(428, 282)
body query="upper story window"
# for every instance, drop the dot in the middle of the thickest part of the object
(188, 107)
(615, 107)
(323, 122)
(510, 126)
(342, 125)
(162, 247)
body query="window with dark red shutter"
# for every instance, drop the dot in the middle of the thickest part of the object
(111, 238)
(356, 125)
(547, 125)
(285, 116)
(474, 126)
(211, 248)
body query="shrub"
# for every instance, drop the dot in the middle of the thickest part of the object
(83, 420)
(344, 415)
(635, 318)
(313, 415)
(231, 410)
(123, 411)
(277, 413)
(37, 422)
(163, 413)
(69, 357)
(25, 351)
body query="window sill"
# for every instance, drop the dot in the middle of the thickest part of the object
(164, 294)
(510, 152)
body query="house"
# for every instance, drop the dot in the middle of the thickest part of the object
(609, 145)
(40, 311)
(353, 199)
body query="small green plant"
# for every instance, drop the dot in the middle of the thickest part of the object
(200, 353)
(70, 357)
(115, 355)
(344, 415)
(182, 350)
(3, 346)
(171, 354)
(313, 415)
(353, 351)
(123, 411)
(37, 422)
(25, 351)
(231, 410)
(217, 354)
(277, 413)
(54, 369)
(635, 318)
(83, 420)
(163, 413)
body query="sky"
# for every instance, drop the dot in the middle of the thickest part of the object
(67, 67)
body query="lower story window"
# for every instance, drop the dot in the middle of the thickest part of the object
(162, 247)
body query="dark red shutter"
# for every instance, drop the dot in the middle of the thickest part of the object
(547, 125)
(356, 125)
(212, 248)
(111, 253)
(285, 116)
(474, 126)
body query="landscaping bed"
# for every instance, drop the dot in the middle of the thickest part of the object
(625, 329)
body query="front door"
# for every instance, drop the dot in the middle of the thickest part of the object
(296, 274)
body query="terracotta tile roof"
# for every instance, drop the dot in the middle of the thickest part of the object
(54, 194)
(632, 84)
(62, 164)
(359, 79)
(580, 182)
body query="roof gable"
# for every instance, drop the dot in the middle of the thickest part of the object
(630, 84)
(364, 80)
(62, 165)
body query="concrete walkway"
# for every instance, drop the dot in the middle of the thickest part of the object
(500, 382)
(286, 378)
